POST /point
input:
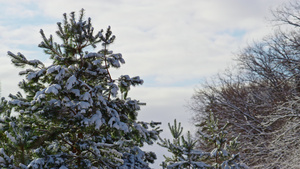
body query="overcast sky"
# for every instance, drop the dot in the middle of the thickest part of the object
(174, 45)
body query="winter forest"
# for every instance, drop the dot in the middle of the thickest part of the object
(75, 114)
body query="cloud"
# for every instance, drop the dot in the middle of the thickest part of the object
(175, 41)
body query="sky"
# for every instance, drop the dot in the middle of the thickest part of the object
(173, 45)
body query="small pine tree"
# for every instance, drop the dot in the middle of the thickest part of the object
(186, 155)
(74, 113)
(223, 153)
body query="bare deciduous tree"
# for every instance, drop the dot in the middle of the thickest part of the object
(260, 98)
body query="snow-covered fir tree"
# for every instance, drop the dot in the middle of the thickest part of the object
(186, 153)
(74, 113)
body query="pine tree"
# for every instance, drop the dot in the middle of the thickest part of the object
(186, 154)
(224, 147)
(74, 113)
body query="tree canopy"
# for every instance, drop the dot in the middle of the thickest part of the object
(260, 96)
(74, 113)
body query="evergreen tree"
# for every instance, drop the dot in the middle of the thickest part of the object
(183, 150)
(224, 147)
(185, 153)
(74, 113)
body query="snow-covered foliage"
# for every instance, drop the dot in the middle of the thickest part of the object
(74, 113)
(285, 140)
(185, 153)
(260, 95)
